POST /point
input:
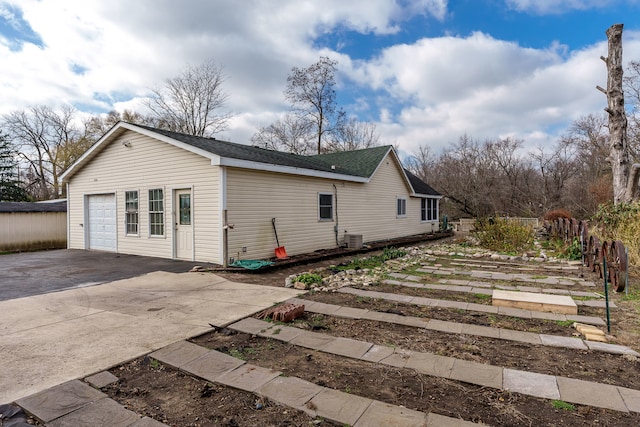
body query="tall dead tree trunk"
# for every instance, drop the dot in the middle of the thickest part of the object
(619, 150)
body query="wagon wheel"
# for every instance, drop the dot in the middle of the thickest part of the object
(618, 262)
(566, 229)
(602, 256)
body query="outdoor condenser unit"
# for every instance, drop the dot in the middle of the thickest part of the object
(353, 241)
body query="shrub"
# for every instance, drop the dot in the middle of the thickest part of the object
(309, 278)
(554, 214)
(573, 252)
(504, 236)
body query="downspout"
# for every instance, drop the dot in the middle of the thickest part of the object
(336, 227)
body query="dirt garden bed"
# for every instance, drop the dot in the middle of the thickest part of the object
(163, 393)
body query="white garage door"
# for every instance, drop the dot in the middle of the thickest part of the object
(101, 214)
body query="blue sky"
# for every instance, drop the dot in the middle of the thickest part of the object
(425, 72)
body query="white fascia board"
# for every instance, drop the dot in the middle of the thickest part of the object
(247, 164)
(425, 196)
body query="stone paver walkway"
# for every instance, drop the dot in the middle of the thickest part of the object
(463, 328)
(530, 383)
(509, 277)
(315, 400)
(460, 305)
(448, 285)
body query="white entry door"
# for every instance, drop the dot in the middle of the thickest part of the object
(184, 224)
(101, 215)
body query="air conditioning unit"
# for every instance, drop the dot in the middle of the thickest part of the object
(353, 241)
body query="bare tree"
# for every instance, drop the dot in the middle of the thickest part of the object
(619, 151)
(556, 170)
(353, 134)
(96, 126)
(289, 134)
(311, 92)
(49, 142)
(10, 188)
(193, 102)
(422, 163)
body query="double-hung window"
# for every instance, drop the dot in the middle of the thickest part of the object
(428, 209)
(156, 212)
(131, 212)
(401, 207)
(325, 206)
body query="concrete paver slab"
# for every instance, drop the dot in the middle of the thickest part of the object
(60, 400)
(483, 308)
(427, 302)
(380, 414)
(548, 316)
(514, 312)
(212, 365)
(566, 342)
(179, 353)
(312, 340)
(347, 347)
(398, 358)
(101, 379)
(444, 326)
(528, 337)
(431, 364)
(611, 348)
(322, 308)
(250, 325)
(588, 393)
(281, 333)
(290, 391)
(586, 319)
(482, 331)
(631, 398)
(248, 377)
(453, 304)
(415, 322)
(338, 406)
(530, 383)
(482, 291)
(104, 412)
(350, 312)
(377, 352)
(477, 373)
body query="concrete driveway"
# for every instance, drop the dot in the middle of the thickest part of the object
(55, 337)
(34, 273)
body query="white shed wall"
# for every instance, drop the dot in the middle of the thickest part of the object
(149, 164)
(32, 230)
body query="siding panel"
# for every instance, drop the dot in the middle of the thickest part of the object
(254, 197)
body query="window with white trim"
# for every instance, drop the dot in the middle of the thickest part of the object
(428, 209)
(156, 212)
(325, 206)
(401, 207)
(131, 212)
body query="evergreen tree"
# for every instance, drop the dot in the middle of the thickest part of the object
(10, 190)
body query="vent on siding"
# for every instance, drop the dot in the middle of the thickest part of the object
(353, 241)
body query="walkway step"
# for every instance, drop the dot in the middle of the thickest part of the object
(317, 401)
(530, 383)
(506, 311)
(485, 288)
(76, 403)
(456, 328)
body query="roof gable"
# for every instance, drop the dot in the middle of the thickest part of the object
(419, 186)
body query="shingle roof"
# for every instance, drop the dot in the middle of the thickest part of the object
(33, 207)
(255, 154)
(419, 186)
(359, 162)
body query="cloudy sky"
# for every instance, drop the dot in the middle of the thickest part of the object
(425, 71)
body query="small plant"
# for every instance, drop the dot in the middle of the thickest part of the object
(154, 363)
(564, 323)
(234, 352)
(561, 404)
(574, 250)
(309, 279)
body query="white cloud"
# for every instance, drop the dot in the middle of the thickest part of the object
(553, 7)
